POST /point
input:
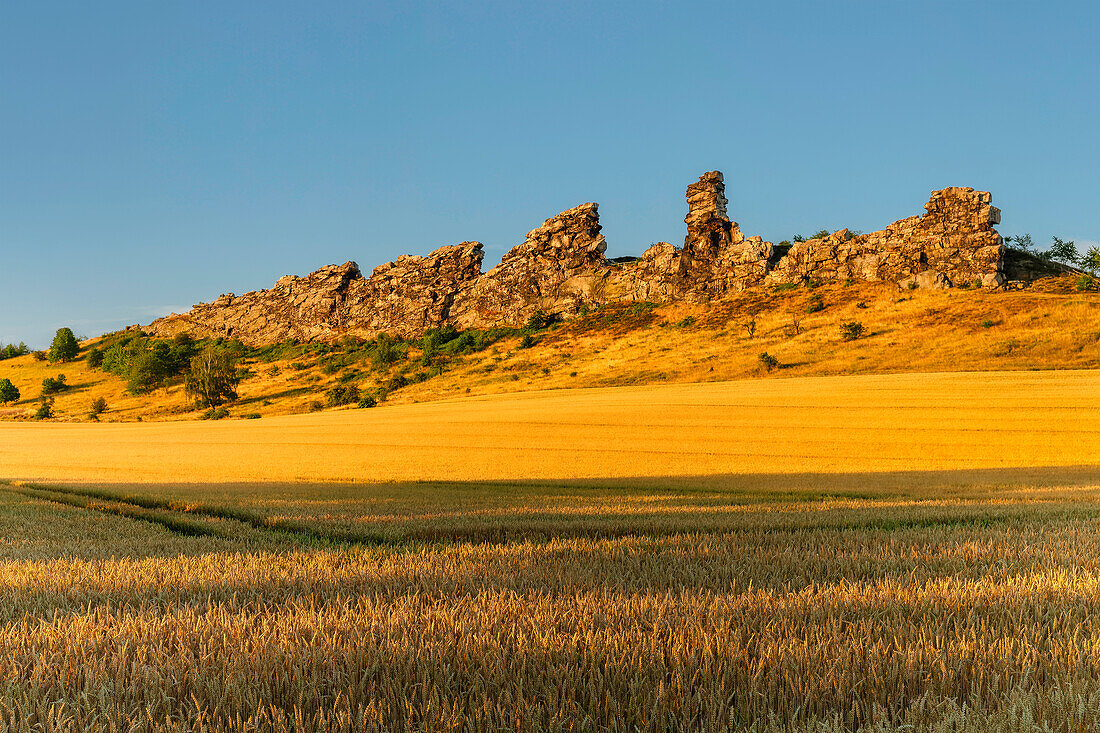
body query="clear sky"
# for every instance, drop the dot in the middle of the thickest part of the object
(157, 154)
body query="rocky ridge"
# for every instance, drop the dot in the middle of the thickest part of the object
(560, 268)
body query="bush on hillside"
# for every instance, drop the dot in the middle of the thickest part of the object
(768, 362)
(346, 394)
(8, 391)
(53, 385)
(851, 330)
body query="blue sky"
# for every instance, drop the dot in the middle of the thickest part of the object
(153, 155)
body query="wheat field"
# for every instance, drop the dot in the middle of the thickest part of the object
(877, 553)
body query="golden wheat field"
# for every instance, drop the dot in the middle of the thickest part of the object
(891, 552)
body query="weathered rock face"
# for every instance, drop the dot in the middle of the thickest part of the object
(554, 270)
(310, 308)
(412, 294)
(560, 268)
(716, 258)
(953, 243)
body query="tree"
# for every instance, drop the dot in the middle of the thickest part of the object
(94, 357)
(1091, 261)
(1060, 251)
(8, 391)
(212, 379)
(65, 347)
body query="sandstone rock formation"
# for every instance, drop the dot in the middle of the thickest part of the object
(560, 268)
(953, 243)
(412, 294)
(310, 308)
(553, 271)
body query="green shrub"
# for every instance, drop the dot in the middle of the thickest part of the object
(99, 406)
(251, 416)
(768, 362)
(816, 304)
(94, 358)
(8, 391)
(851, 330)
(45, 408)
(316, 406)
(528, 341)
(53, 385)
(367, 401)
(11, 351)
(40, 356)
(219, 413)
(861, 304)
(686, 322)
(342, 395)
(1086, 282)
(987, 323)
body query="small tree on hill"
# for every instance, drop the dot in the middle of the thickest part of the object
(65, 347)
(1062, 251)
(213, 377)
(1091, 261)
(8, 391)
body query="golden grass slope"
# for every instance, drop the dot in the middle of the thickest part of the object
(907, 331)
(864, 424)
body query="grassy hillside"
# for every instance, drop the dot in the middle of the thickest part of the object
(1053, 327)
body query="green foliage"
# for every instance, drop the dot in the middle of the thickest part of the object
(987, 323)
(540, 320)
(212, 379)
(219, 413)
(45, 408)
(687, 322)
(1062, 251)
(8, 391)
(861, 304)
(40, 355)
(385, 351)
(528, 341)
(94, 358)
(147, 364)
(1086, 282)
(1021, 243)
(851, 330)
(65, 347)
(783, 287)
(342, 395)
(251, 416)
(11, 351)
(768, 362)
(99, 406)
(816, 304)
(1090, 262)
(368, 401)
(53, 385)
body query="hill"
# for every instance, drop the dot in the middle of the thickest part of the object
(1050, 326)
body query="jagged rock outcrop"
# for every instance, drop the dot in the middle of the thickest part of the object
(310, 308)
(953, 243)
(556, 269)
(412, 294)
(716, 258)
(560, 268)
